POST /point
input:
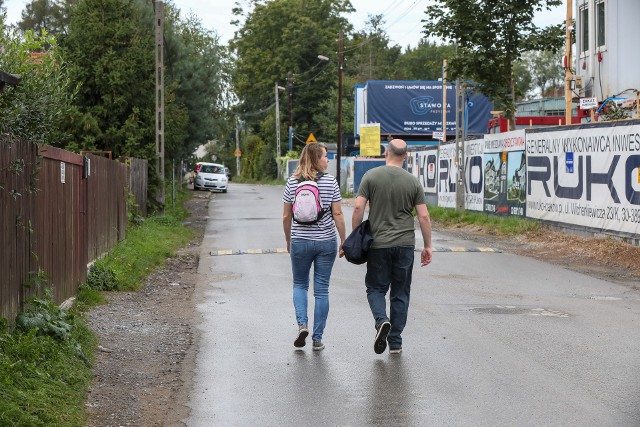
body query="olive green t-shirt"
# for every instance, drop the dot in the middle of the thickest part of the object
(392, 193)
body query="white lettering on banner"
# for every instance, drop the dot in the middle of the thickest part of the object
(600, 192)
(426, 170)
(447, 176)
(474, 175)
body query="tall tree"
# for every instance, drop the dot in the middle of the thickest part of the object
(424, 62)
(35, 108)
(369, 54)
(490, 36)
(48, 15)
(286, 36)
(198, 66)
(110, 44)
(546, 70)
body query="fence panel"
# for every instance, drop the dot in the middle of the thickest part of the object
(106, 204)
(17, 185)
(60, 226)
(138, 181)
(57, 215)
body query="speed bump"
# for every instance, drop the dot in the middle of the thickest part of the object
(223, 252)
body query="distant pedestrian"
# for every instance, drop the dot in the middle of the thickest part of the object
(313, 244)
(392, 194)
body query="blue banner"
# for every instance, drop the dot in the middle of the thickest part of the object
(414, 107)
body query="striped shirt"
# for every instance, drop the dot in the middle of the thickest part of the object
(325, 229)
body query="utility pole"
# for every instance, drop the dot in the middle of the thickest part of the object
(568, 77)
(278, 153)
(460, 121)
(290, 91)
(237, 146)
(159, 22)
(339, 144)
(444, 102)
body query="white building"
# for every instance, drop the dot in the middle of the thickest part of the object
(607, 56)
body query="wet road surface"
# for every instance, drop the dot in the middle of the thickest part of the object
(492, 338)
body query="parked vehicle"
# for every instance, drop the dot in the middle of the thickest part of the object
(210, 176)
(227, 172)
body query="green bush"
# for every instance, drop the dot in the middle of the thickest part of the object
(101, 278)
(44, 317)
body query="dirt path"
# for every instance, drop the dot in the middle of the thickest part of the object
(143, 370)
(149, 338)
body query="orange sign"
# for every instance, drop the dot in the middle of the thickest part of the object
(311, 138)
(237, 153)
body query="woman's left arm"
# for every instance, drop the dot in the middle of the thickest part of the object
(338, 217)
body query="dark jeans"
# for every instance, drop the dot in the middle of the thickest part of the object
(390, 267)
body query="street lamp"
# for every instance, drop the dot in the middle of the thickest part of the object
(339, 109)
(339, 141)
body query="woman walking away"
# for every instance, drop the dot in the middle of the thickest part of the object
(312, 212)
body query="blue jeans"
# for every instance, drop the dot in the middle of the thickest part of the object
(322, 254)
(390, 268)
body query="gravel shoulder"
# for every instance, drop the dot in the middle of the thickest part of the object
(148, 339)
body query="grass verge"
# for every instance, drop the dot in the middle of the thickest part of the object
(146, 247)
(45, 368)
(503, 225)
(46, 358)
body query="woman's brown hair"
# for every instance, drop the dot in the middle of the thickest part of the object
(309, 165)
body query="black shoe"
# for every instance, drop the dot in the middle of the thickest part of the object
(303, 333)
(380, 345)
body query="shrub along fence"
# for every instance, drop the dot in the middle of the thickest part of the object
(58, 211)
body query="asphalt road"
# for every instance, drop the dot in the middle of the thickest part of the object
(493, 339)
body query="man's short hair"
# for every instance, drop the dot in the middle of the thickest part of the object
(395, 150)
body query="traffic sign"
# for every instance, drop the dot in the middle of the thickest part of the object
(311, 138)
(237, 153)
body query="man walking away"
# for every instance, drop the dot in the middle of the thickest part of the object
(392, 193)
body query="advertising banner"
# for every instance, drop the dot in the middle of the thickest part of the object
(474, 175)
(505, 173)
(586, 176)
(370, 139)
(447, 176)
(414, 107)
(423, 165)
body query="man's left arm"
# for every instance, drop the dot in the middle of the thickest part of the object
(425, 227)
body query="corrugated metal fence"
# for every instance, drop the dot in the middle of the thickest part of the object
(58, 211)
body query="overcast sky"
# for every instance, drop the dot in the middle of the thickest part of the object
(402, 17)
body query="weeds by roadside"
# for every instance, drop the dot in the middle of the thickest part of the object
(507, 226)
(46, 358)
(146, 247)
(45, 366)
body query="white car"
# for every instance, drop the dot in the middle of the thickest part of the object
(210, 176)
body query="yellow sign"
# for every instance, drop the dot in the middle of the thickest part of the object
(370, 139)
(311, 138)
(237, 153)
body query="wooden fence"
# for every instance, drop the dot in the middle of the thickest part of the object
(58, 211)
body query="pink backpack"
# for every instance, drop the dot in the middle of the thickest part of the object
(307, 204)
